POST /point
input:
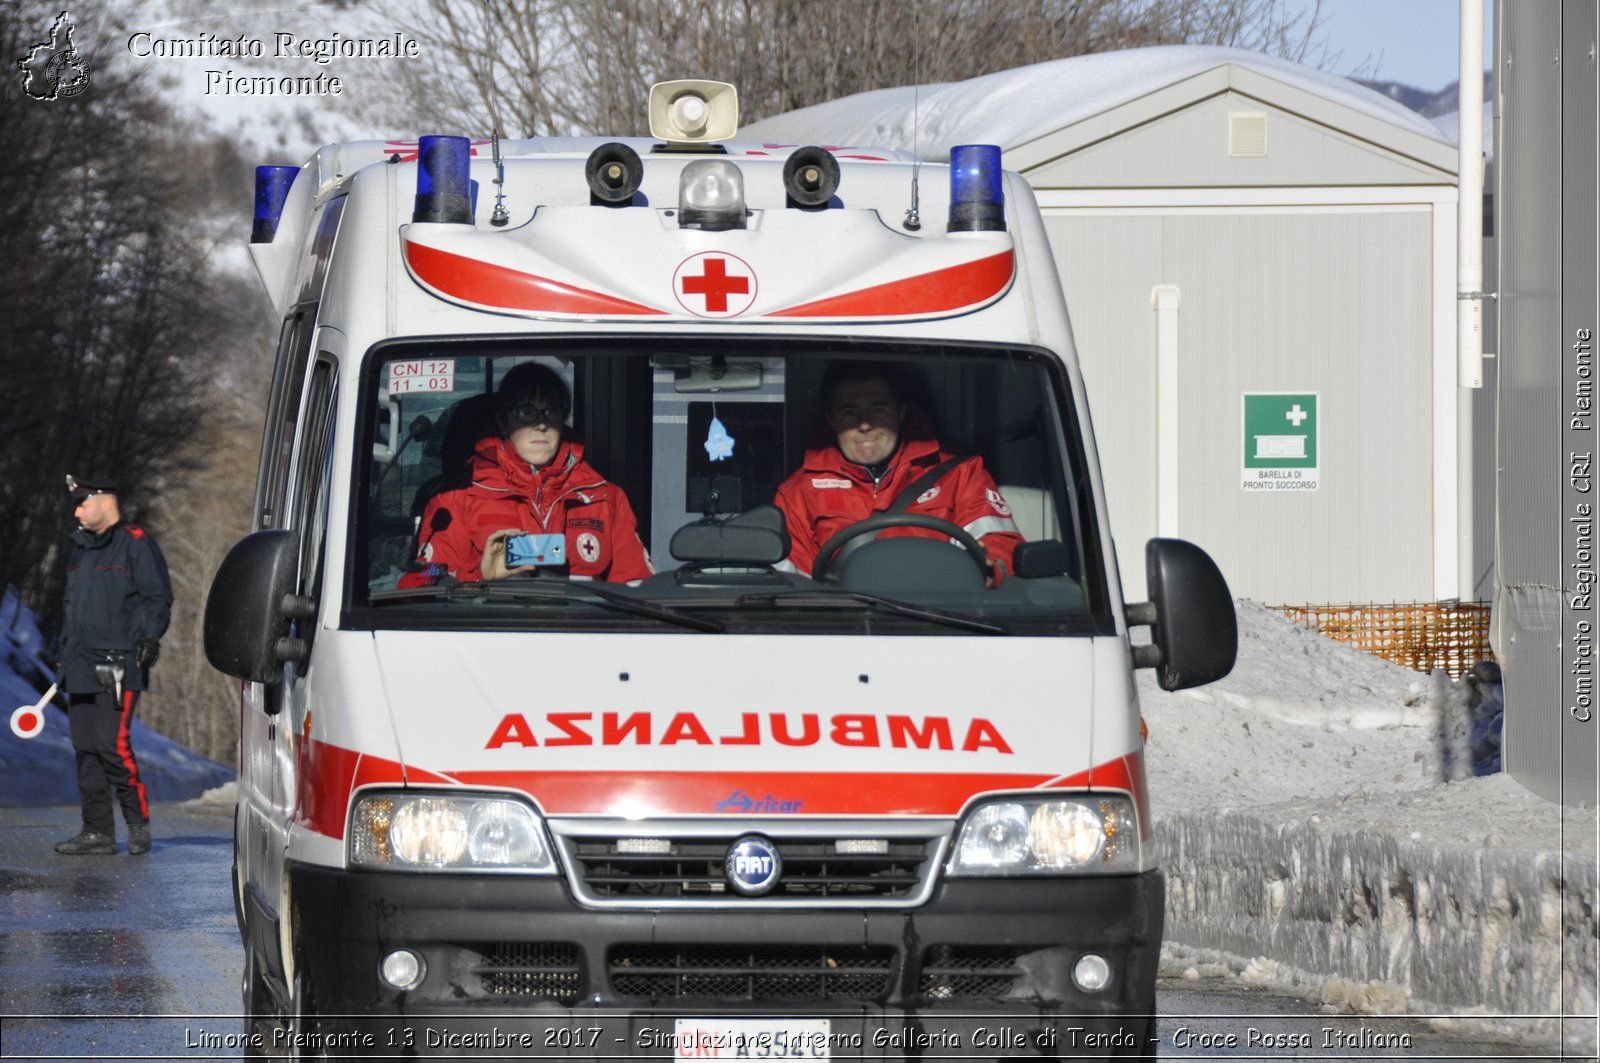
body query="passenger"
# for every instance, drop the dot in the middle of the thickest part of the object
(528, 479)
(882, 446)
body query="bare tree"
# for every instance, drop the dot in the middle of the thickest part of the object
(115, 324)
(552, 67)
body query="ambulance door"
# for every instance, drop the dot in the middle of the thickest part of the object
(309, 485)
(260, 826)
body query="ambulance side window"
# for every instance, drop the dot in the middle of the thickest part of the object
(283, 411)
(313, 473)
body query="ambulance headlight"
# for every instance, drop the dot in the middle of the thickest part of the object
(711, 196)
(431, 831)
(1086, 834)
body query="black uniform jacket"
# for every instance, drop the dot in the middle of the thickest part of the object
(117, 593)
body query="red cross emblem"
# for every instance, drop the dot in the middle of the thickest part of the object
(714, 284)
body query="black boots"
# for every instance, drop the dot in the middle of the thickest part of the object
(88, 843)
(138, 838)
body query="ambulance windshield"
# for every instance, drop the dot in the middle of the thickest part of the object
(723, 485)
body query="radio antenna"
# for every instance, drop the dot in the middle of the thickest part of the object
(500, 216)
(913, 220)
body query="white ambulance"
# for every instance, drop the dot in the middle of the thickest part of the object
(663, 790)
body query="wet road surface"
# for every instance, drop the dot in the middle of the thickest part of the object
(115, 956)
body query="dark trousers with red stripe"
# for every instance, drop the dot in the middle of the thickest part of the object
(100, 736)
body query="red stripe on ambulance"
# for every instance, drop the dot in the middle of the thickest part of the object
(487, 284)
(940, 291)
(831, 793)
(331, 774)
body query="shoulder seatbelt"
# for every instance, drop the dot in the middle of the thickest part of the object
(913, 490)
(904, 500)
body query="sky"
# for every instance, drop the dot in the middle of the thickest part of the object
(1412, 41)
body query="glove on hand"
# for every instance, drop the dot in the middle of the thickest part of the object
(145, 653)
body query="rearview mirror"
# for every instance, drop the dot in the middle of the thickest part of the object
(755, 537)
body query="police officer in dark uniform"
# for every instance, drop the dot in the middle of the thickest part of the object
(117, 606)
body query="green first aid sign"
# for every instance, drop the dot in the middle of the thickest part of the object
(1280, 441)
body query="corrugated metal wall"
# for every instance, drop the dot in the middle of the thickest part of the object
(1335, 302)
(1547, 235)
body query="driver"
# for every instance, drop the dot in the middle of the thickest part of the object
(529, 478)
(882, 446)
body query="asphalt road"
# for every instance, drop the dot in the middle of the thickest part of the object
(115, 956)
(119, 957)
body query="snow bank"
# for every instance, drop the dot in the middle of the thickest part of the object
(1317, 809)
(1012, 107)
(41, 771)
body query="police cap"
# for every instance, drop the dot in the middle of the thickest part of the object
(84, 486)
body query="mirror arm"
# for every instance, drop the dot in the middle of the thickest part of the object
(291, 650)
(1141, 614)
(298, 607)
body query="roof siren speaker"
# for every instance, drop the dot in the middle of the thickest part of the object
(810, 177)
(614, 173)
(693, 111)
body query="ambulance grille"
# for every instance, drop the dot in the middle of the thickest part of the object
(959, 972)
(754, 973)
(813, 871)
(548, 970)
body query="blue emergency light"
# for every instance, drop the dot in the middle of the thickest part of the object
(272, 188)
(977, 202)
(443, 185)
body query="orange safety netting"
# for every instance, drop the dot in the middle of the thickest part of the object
(1420, 635)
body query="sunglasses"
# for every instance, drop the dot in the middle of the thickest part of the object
(528, 413)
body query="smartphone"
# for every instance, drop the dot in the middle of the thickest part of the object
(543, 550)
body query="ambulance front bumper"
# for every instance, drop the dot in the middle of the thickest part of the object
(513, 964)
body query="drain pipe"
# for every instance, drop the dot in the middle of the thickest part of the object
(1469, 284)
(1469, 210)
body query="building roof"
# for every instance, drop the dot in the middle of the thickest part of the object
(1025, 110)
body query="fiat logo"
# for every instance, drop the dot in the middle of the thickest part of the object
(752, 865)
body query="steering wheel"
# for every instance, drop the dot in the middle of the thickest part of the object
(879, 521)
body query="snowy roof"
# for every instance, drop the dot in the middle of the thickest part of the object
(1014, 107)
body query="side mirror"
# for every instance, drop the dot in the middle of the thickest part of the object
(244, 611)
(1194, 634)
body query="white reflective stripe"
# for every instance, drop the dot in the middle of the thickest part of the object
(991, 525)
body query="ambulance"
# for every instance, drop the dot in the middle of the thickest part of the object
(889, 803)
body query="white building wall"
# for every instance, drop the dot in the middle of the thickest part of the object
(1333, 299)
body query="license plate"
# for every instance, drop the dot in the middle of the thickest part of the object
(750, 1039)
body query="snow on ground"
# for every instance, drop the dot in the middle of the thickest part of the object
(1324, 833)
(1013, 107)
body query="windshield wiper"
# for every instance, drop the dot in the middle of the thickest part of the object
(547, 588)
(916, 612)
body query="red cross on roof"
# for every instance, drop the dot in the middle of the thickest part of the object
(716, 285)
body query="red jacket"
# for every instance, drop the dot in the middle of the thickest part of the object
(830, 492)
(566, 497)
